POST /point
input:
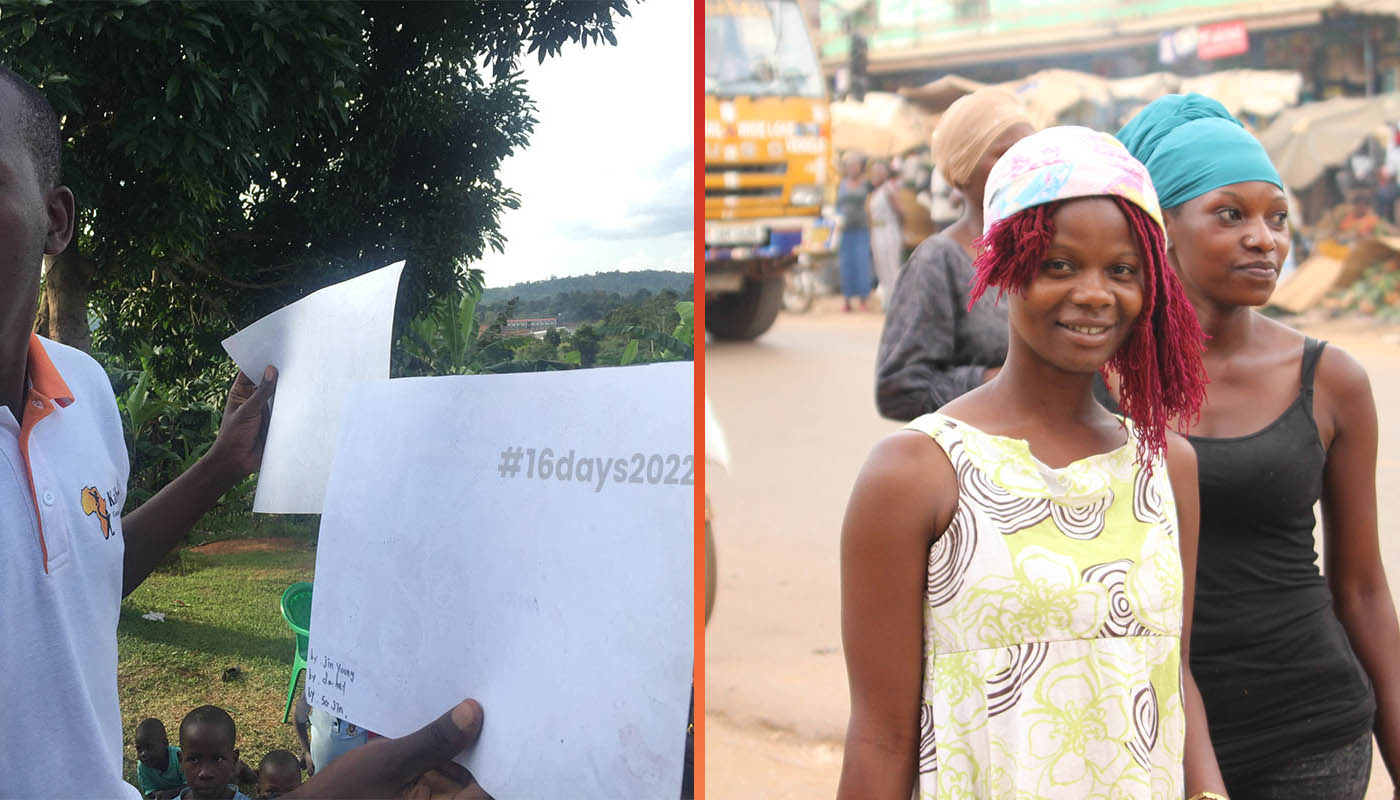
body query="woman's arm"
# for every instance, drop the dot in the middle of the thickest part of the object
(1202, 771)
(1355, 574)
(890, 522)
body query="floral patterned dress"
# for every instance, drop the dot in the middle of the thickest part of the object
(1052, 627)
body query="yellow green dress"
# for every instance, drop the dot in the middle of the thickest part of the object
(1052, 627)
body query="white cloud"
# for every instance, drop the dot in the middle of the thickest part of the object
(608, 179)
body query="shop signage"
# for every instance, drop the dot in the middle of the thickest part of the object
(1222, 40)
(1206, 42)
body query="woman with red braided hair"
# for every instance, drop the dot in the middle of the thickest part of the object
(1016, 567)
(1296, 669)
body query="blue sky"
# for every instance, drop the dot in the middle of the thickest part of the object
(607, 182)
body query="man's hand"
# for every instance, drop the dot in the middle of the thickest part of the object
(418, 766)
(163, 521)
(239, 447)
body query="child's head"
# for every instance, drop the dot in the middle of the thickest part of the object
(151, 744)
(1130, 315)
(279, 772)
(207, 754)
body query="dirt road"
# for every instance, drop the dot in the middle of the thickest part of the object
(798, 409)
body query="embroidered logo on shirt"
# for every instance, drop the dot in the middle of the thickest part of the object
(95, 503)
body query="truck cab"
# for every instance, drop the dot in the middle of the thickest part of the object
(767, 157)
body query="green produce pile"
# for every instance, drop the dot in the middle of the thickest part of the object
(1376, 292)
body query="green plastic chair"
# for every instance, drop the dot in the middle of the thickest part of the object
(296, 610)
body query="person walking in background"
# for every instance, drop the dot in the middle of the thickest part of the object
(1296, 669)
(945, 203)
(1387, 194)
(1016, 570)
(886, 229)
(853, 254)
(935, 346)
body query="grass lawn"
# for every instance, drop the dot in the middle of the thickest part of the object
(220, 601)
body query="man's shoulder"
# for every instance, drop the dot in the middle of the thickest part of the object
(73, 364)
(938, 253)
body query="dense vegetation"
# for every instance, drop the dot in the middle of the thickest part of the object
(557, 292)
(229, 158)
(455, 335)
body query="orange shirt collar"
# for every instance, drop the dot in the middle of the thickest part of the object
(43, 376)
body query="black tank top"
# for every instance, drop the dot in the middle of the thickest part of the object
(1273, 664)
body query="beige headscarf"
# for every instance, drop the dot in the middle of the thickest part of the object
(968, 128)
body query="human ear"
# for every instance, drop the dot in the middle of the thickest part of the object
(60, 210)
(1169, 224)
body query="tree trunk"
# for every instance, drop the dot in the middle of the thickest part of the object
(67, 285)
(41, 320)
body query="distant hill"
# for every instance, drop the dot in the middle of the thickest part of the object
(588, 298)
(623, 283)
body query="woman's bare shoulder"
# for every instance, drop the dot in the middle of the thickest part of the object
(1181, 458)
(907, 456)
(1343, 380)
(907, 476)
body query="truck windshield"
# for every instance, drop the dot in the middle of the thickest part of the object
(759, 47)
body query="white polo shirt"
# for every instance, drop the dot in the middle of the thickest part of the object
(62, 486)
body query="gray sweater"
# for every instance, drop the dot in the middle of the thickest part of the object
(933, 349)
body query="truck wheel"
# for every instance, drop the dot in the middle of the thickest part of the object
(745, 314)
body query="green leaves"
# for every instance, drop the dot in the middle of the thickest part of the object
(141, 404)
(168, 425)
(444, 341)
(450, 339)
(228, 158)
(685, 329)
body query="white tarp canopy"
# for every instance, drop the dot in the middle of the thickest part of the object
(1145, 87)
(937, 95)
(1053, 94)
(1062, 96)
(1306, 140)
(883, 125)
(1259, 92)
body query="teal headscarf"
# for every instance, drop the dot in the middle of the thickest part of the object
(1191, 145)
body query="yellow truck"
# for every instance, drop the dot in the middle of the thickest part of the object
(767, 157)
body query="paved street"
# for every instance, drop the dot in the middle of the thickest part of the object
(798, 409)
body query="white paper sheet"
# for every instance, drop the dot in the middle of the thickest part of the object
(563, 603)
(321, 345)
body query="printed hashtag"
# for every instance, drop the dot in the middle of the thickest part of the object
(510, 461)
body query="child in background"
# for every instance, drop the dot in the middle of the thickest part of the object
(157, 763)
(208, 756)
(279, 772)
